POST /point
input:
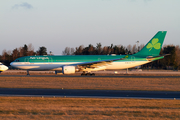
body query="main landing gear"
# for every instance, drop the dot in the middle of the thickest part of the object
(87, 74)
(28, 72)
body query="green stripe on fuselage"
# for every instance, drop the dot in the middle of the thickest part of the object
(77, 58)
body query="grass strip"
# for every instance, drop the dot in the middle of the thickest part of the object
(100, 83)
(87, 108)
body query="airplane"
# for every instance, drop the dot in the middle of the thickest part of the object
(3, 67)
(70, 64)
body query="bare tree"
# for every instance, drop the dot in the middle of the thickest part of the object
(30, 50)
(4, 54)
(72, 51)
(79, 50)
(177, 58)
(134, 49)
(91, 49)
(66, 51)
(98, 48)
(105, 50)
(129, 48)
(20, 51)
(141, 46)
(15, 54)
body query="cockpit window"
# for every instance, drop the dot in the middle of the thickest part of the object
(16, 60)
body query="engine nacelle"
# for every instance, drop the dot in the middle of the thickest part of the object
(68, 69)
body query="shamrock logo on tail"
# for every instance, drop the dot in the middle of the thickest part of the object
(154, 44)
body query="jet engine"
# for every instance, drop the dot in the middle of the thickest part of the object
(68, 69)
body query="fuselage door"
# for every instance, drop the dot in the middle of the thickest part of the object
(132, 58)
(50, 60)
(26, 59)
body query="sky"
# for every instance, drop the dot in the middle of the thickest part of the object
(57, 24)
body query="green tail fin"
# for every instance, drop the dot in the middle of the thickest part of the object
(153, 47)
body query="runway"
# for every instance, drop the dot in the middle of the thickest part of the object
(113, 76)
(89, 93)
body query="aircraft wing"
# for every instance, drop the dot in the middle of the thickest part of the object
(96, 64)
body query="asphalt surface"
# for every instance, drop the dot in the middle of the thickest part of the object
(114, 76)
(89, 93)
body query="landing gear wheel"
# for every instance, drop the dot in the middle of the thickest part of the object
(93, 74)
(83, 74)
(88, 74)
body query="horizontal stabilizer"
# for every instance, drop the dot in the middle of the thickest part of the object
(150, 58)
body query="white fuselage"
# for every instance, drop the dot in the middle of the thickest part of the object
(59, 65)
(3, 67)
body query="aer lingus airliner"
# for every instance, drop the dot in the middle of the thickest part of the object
(3, 67)
(69, 64)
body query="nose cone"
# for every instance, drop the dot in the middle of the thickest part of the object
(11, 64)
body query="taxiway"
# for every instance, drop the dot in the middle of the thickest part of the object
(89, 93)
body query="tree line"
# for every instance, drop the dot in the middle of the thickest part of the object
(27, 50)
(169, 62)
(99, 50)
